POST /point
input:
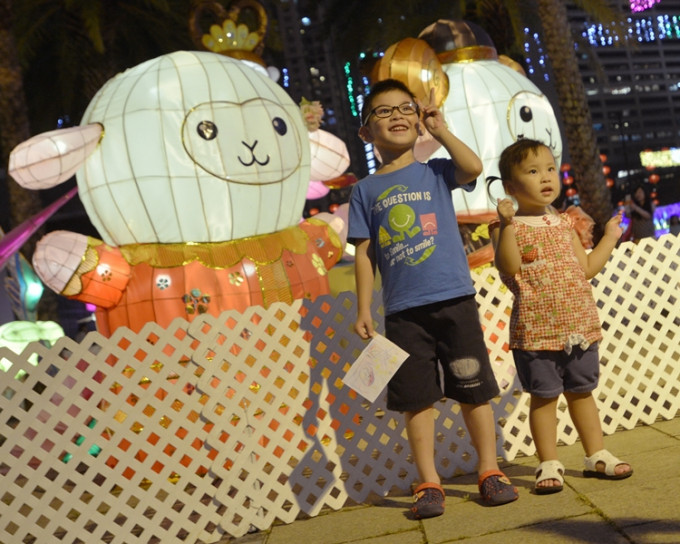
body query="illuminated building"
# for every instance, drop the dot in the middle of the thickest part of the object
(311, 70)
(633, 89)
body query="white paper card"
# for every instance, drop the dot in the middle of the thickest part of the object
(374, 367)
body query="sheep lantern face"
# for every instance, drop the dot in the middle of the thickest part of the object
(219, 137)
(197, 147)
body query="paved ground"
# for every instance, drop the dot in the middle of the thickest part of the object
(644, 508)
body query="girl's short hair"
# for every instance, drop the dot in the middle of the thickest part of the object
(381, 87)
(514, 154)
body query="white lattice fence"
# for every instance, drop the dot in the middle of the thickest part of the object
(103, 442)
(214, 427)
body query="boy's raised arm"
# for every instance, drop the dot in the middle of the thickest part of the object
(468, 165)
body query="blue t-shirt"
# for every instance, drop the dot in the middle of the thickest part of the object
(409, 215)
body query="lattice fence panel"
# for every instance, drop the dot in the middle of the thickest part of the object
(229, 423)
(102, 441)
(638, 296)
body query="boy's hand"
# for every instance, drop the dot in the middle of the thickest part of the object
(506, 210)
(364, 327)
(432, 118)
(613, 226)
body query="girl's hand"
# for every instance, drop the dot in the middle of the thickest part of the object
(506, 210)
(613, 226)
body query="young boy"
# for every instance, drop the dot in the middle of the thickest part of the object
(554, 325)
(402, 219)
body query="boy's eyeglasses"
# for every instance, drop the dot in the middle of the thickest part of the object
(382, 112)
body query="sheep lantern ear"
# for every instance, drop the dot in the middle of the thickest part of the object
(50, 158)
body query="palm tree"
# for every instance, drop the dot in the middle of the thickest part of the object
(573, 103)
(14, 125)
(70, 48)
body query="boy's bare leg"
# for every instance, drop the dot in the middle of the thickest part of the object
(543, 425)
(586, 417)
(494, 487)
(481, 425)
(420, 432)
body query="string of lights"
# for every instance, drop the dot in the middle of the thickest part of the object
(642, 5)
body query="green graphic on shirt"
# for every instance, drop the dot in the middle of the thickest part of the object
(413, 262)
(399, 188)
(401, 219)
(384, 238)
(401, 236)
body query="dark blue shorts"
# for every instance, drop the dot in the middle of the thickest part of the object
(546, 374)
(446, 344)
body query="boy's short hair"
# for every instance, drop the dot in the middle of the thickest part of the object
(514, 154)
(381, 87)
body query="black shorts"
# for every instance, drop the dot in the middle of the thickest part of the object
(443, 340)
(546, 374)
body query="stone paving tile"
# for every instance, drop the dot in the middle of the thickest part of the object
(658, 532)
(587, 529)
(472, 519)
(348, 525)
(411, 537)
(639, 501)
(643, 438)
(671, 427)
(255, 538)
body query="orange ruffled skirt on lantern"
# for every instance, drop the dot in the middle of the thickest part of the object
(166, 281)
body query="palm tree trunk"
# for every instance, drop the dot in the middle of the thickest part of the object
(14, 129)
(14, 124)
(578, 127)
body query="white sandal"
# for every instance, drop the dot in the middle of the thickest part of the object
(549, 470)
(610, 464)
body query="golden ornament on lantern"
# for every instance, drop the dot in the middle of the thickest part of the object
(415, 63)
(459, 42)
(228, 34)
(511, 63)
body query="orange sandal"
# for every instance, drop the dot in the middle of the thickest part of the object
(496, 489)
(428, 501)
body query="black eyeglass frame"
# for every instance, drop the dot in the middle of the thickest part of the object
(392, 108)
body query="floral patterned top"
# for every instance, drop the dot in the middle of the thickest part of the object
(554, 308)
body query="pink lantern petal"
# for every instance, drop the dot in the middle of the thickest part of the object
(57, 256)
(316, 190)
(51, 158)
